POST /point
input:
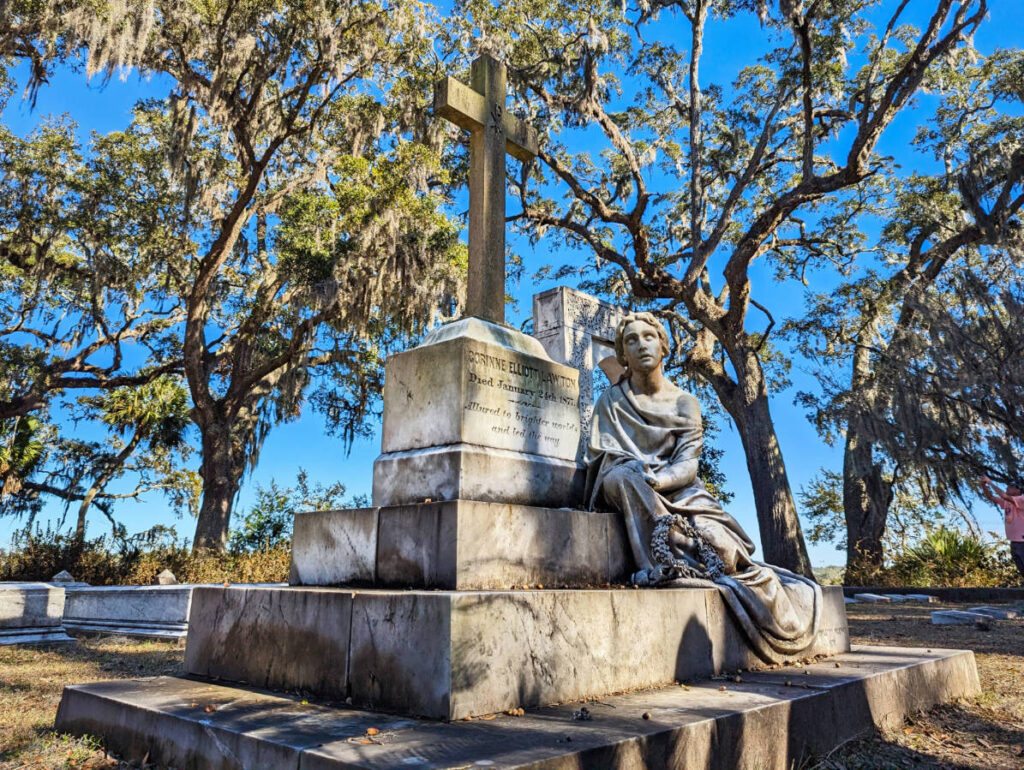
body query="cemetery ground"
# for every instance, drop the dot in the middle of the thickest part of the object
(983, 732)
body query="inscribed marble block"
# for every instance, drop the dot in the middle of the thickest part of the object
(478, 411)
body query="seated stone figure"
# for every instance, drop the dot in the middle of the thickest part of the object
(642, 461)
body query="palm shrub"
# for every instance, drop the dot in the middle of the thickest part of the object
(948, 557)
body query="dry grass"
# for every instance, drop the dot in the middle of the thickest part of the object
(984, 732)
(31, 681)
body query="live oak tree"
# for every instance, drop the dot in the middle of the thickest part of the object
(307, 204)
(87, 240)
(693, 181)
(917, 351)
(313, 239)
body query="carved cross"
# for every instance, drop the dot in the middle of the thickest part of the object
(480, 109)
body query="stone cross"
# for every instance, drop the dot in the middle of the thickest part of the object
(480, 109)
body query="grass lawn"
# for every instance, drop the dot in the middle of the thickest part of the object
(986, 732)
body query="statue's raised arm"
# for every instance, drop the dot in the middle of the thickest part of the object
(642, 461)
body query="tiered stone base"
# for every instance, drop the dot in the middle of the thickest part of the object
(450, 655)
(459, 545)
(759, 722)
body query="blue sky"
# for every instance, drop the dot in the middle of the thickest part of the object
(305, 444)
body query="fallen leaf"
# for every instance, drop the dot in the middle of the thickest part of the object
(372, 731)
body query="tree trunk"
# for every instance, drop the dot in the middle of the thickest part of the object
(222, 476)
(866, 498)
(746, 400)
(782, 538)
(101, 481)
(866, 493)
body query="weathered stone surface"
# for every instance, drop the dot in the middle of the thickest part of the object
(480, 109)
(166, 578)
(449, 655)
(758, 723)
(473, 389)
(470, 472)
(279, 638)
(957, 618)
(193, 724)
(926, 598)
(470, 387)
(459, 544)
(872, 598)
(31, 613)
(877, 686)
(334, 547)
(999, 613)
(159, 612)
(895, 597)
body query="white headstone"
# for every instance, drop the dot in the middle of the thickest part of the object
(166, 578)
(578, 330)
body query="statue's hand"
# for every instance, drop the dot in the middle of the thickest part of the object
(652, 479)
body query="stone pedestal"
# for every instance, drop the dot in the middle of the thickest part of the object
(459, 545)
(479, 412)
(450, 655)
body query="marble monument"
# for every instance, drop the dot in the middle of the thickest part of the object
(477, 584)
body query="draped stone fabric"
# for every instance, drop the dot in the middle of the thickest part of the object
(681, 536)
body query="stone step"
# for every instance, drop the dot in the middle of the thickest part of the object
(759, 722)
(449, 655)
(459, 545)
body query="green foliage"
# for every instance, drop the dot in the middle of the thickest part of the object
(268, 524)
(949, 557)
(821, 505)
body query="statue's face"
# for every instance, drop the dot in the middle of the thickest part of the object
(641, 346)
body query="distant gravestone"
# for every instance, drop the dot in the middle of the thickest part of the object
(166, 578)
(66, 579)
(578, 330)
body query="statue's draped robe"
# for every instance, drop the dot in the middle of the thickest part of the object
(777, 609)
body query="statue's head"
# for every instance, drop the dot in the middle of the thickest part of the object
(645, 318)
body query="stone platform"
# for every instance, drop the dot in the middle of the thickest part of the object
(32, 613)
(759, 722)
(450, 655)
(459, 545)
